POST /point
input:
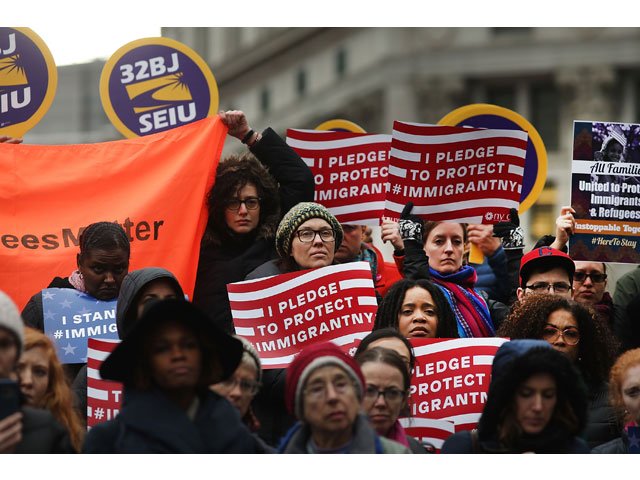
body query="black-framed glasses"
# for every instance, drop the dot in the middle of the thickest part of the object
(391, 395)
(594, 276)
(560, 287)
(308, 235)
(571, 335)
(247, 387)
(250, 202)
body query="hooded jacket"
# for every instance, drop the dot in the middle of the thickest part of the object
(131, 286)
(514, 363)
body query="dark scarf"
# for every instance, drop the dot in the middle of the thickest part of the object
(469, 308)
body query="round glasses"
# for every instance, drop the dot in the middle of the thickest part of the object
(391, 395)
(247, 387)
(571, 335)
(250, 202)
(308, 236)
(594, 276)
(541, 287)
(318, 391)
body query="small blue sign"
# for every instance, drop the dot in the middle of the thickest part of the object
(71, 317)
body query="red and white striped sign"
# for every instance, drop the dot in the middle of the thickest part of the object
(429, 430)
(350, 171)
(282, 314)
(455, 174)
(451, 378)
(103, 397)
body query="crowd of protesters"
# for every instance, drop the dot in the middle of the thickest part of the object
(568, 381)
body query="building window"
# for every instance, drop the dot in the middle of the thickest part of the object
(301, 83)
(502, 96)
(341, 62)
(265, 100)
(545, 114)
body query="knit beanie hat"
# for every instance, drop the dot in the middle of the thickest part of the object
(10, 319)
(310, 359)
(295, 217)
(250, 352)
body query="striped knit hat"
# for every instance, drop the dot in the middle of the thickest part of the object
(310, 359)
(297, 216)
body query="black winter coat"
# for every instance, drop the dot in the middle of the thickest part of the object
(41, 433)
(150, 423)
(602, 422)
(232, 261)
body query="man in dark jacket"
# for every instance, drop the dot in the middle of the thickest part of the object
(28, 430)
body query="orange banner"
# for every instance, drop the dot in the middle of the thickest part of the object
(154, 186)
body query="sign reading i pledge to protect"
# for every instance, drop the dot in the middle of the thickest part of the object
(350, 171)
(455, 174)
(451, 379)
(103, 397)
(282, 314)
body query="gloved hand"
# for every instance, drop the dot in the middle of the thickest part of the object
(411, 226)
(510, 232)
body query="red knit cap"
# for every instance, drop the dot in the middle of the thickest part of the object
(311, 358)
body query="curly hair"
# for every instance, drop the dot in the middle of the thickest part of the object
(597, 348)
(58, 398)
(391, 304)
(629, 359)
(234, 172)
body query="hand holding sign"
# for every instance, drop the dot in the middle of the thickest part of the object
(411, 226)
(565, 225)
(510, 232)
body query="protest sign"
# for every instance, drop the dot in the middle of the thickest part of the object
(155, 84)
(282, 314)
(153, 186)
(451, 378)
(455, 174)
(605, 192)
(350, 171)
(28, 80)
(71, 317)
(429, 431)
(103, 397)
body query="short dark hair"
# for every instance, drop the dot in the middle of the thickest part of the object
(387, 332)
(388, 357)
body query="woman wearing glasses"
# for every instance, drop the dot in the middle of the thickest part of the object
(573, 330)
(386, 394)
(242, 386)
(245, 205)
(324, 390)
(308, 237)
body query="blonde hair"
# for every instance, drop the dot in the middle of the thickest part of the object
(58, 398)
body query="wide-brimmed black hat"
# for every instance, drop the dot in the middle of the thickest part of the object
(119, 365)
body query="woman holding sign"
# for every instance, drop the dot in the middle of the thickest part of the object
(536, 404)
(308, 237)
(245, 205)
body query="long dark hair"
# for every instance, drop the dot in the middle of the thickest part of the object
(391, 304)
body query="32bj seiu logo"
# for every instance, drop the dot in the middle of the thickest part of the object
(153, 85)
(27, 85)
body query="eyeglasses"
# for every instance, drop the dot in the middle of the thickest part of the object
(391, 395)
(250, 202)
(318, 391)
(594, 276)
(571, 335)
(560, 287)
(248, 387)
(308, 236)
